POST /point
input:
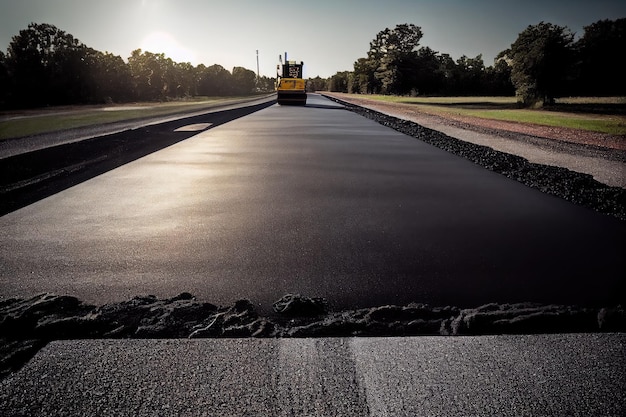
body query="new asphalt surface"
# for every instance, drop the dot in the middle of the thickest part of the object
(313, 200)
(320, 201)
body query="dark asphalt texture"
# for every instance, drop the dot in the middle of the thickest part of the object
(220, 111)
(313, 200)
(35, 167)
(528, 375)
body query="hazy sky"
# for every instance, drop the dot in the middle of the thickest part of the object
(328, 35)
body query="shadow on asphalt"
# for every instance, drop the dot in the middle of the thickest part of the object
(33, 176)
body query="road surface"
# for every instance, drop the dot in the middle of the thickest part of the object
(527, 375)
(313, 200)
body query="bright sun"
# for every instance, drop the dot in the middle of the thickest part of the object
(163, 42)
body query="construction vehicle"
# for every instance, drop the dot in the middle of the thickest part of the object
(290, 86)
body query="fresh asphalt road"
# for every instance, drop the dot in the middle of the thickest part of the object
(529, 375)
(315, 200)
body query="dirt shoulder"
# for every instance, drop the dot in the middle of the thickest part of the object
(411, 112)
(599, 155)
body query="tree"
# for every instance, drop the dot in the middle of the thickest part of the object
(599, 51)
(389, 63)
(72, 76)
(469, 75)
(4, 80)
(394, 51)
(427, 75)
(112, 79)
(447, 68)
(153, 75)
(265, 84)
(47, 66)
(316, 84)
(340, 82)
(185, 77)
(497, 80)
(244, 81)
(214, 81)
(364, 79)
(145, 74)
(541, 58)
(44, 64)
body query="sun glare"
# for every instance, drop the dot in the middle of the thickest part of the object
(163, 42)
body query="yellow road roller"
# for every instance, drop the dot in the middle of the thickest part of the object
(290, 86)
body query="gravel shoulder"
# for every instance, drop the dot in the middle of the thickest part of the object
(600, 155)
(553, 175)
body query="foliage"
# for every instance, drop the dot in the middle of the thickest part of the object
(213, 81)
(394, 53)
(542, 64)
(497, 79)
(468, 75)
(317, 84)
(395, 65)
(340, 82)
(39, 62)
(111, 79)
(266, 84)
(390, 61)
(364, 80)
(44, 65)
(428, 77)
(243, 81)
(541, 57)
(47, 66)
(4, 79)
(599, 52)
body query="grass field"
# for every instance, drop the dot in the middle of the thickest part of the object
(15, 124)
(597, 114)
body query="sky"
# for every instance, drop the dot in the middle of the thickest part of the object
(328, 35)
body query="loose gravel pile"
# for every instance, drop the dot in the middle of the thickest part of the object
(578, 188)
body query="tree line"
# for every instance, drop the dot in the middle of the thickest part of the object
(45, 66)
(544, 62)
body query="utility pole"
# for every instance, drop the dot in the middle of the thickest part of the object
(257, 64)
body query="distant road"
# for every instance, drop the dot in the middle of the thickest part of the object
(314, 200)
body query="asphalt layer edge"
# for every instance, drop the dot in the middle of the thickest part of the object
(578, 188)
(28, 324)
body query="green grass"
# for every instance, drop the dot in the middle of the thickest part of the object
(14, 124)
(596, 114)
